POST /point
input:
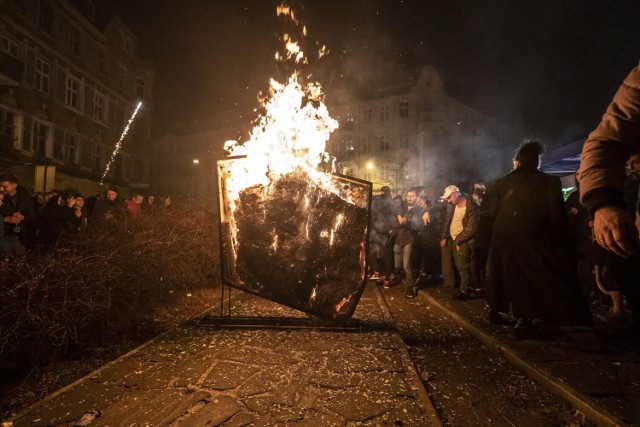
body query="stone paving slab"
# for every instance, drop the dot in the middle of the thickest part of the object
(595, 369)
(263, 377)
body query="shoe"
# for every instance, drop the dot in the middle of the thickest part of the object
(375, 276)
(523, 329)
(616, 316)
(411, 292)
(394, 281)
(460, 296)
(386, 284)
(498, 319)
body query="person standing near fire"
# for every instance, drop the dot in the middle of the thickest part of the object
(602, 181)
(457, 238)
(18, 211)
(410, 223)
(530, 266)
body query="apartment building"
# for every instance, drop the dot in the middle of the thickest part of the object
(416, 134)
(70, 79)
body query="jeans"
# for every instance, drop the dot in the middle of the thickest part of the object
(402, 258)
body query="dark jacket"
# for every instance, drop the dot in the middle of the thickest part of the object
(530, 262)
(469, 222)
(24, 205)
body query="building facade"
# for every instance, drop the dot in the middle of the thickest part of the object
(417, 135)
(69, 82)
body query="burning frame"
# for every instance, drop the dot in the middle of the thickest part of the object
(295, 242)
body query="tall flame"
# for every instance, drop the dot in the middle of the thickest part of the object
(291, 135)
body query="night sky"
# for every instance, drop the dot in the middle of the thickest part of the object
(551, 65)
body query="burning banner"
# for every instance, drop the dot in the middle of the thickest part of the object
(291, 231)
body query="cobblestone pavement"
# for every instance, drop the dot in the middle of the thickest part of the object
(597, 370)
(208, 374)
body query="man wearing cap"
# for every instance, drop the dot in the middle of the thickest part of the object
(456, 238)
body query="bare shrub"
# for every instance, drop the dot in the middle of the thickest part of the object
(57, 301)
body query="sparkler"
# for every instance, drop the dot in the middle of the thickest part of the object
(119, 143)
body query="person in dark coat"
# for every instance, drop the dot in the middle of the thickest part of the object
(530, 267)
(18, 213)
(109, 213)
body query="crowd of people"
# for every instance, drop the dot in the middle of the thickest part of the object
(43, 221)
(535, 258)
(514, 242)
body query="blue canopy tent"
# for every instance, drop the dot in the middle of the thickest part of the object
(564, 161)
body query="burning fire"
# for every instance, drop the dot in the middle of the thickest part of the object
(284, 209)
(290, 137)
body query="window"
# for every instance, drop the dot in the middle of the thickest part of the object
(40, 142)
(349, 122)
(368, 114)
(404, 109)
(58, 148)
(43, 75)
(70, 150)
(100, 105)
(74, 93)
(10, 47)
(102, 63)
(122, 77)
(404, 140)
(96, 159)
(74, 39)
(91, 10)
(366, 145)
(46, 17)
(384, 113)
(140, 88)
(6, 128)
(349, 147)
(384, 143)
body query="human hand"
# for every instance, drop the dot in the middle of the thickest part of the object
(458, 248)
(11, 220)
(614, 230)
(573, 211)
(443, 243)
(71, 201)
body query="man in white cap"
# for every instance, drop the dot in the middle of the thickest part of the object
(456, 239)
